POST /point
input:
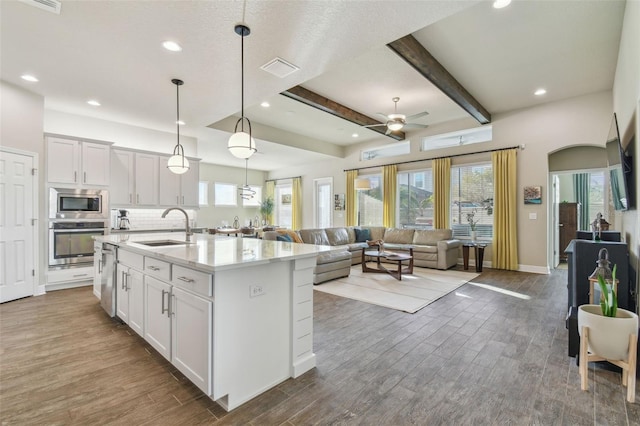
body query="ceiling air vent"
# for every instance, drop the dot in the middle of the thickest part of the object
(279, 67)
(52, 6)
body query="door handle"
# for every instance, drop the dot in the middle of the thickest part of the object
(99, 266)
(560, 224)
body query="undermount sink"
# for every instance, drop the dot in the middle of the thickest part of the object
(161, 243)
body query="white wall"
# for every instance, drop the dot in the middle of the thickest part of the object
(21, 115)
(212, 216)
(626, 104)
(122, 135)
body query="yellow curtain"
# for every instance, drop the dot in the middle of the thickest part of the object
(389, 182)
(505, 230)
(296, 203)
(441, 192)
(270, 192)
(350, 198)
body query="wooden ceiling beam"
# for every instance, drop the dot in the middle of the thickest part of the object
(419, 58)
(315, 100)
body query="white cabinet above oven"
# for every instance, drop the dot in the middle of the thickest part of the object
(77, 163)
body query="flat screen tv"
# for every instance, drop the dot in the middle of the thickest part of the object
(619, 168)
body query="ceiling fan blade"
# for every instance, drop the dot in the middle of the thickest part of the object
(418, 115)
(375, 125)
(387, 132)
(385, 116)
(415, 126)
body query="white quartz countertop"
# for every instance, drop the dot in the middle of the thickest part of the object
(212, 253)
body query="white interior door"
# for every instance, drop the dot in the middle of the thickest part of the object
(323, 203)
(17, 260)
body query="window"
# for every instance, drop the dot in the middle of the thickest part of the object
(415, 200)
(472, 196)
(257, 197)
(225, 194)
(283, 209)
(203, 193)
(391, 150)
(462, 137)
(596, 194)
(370, 203)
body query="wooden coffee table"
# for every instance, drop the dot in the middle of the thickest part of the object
(389, 256)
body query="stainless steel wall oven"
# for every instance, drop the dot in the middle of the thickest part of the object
(71, 243)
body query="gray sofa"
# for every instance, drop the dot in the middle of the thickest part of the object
(431, 248)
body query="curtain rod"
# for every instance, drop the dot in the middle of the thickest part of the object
(275, 180)
(521, 147)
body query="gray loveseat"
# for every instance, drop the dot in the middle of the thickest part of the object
(431, 248)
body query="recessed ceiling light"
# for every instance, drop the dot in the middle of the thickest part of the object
(180, 123)
(355, 135)
(29, 77)
(540, 92)
(265, 104)
(499, 4)
(93, 102)
(172, 46)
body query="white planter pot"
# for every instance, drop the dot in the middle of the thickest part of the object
(608, 337)
(473, 235)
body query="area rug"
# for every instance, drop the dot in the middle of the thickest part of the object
(413, 293)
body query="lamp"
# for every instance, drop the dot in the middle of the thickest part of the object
(177, 163)
(241, 144)
(245, 191)
(362, 184)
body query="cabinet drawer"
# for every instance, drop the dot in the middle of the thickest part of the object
(192, 280)
(133, 260)
(157, 268)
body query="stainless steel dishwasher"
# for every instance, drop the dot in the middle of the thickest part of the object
(107, 279)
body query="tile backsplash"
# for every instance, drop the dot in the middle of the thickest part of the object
(152, 219)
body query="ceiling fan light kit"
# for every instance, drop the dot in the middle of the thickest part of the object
(178, 163)
(397, 121)
(241, 144)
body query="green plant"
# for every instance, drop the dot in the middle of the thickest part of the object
(266, 208)
(609, 299)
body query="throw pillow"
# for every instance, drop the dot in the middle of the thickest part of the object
(362, 235)
(284, 237)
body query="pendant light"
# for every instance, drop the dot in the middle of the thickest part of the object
(177, 163)
(241, 144)
(246, 192)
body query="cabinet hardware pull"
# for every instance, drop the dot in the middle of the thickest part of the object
(75, 176)
(172, 313)
(126, 285)
(138, 198)
(122, 284)
(177, 199)
(163, 309)
(170, 305)
(186, 279)
(183, 200)
(85, 177)
(80, 275)
(99, 266)
(130, 198)
(153, 268)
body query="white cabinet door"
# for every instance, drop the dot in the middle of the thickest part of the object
(136, 301)
(191, 324)
(122, 178)
(122, 293)
(95, 164)
(146, 180)
(157, 320)
(63, 160)
(189, 185)
(169, 185)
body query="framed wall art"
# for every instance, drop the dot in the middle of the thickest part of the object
(533, 195)
(338, 201)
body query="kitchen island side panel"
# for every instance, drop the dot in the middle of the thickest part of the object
(252, 331)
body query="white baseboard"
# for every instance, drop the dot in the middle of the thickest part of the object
(64, 286)
(534, 269)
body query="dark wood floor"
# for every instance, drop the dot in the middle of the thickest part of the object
(490, 354)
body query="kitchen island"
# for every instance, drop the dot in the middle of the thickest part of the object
(234, 315)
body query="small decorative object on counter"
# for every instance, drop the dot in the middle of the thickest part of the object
(236, 222)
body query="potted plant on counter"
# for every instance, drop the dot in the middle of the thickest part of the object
(608, 333)
(266, 210)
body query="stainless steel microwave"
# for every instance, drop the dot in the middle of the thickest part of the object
(67, 203)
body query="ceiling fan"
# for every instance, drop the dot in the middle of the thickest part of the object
(397, 121)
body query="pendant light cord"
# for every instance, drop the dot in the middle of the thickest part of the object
(178, 112)
(242, 80)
